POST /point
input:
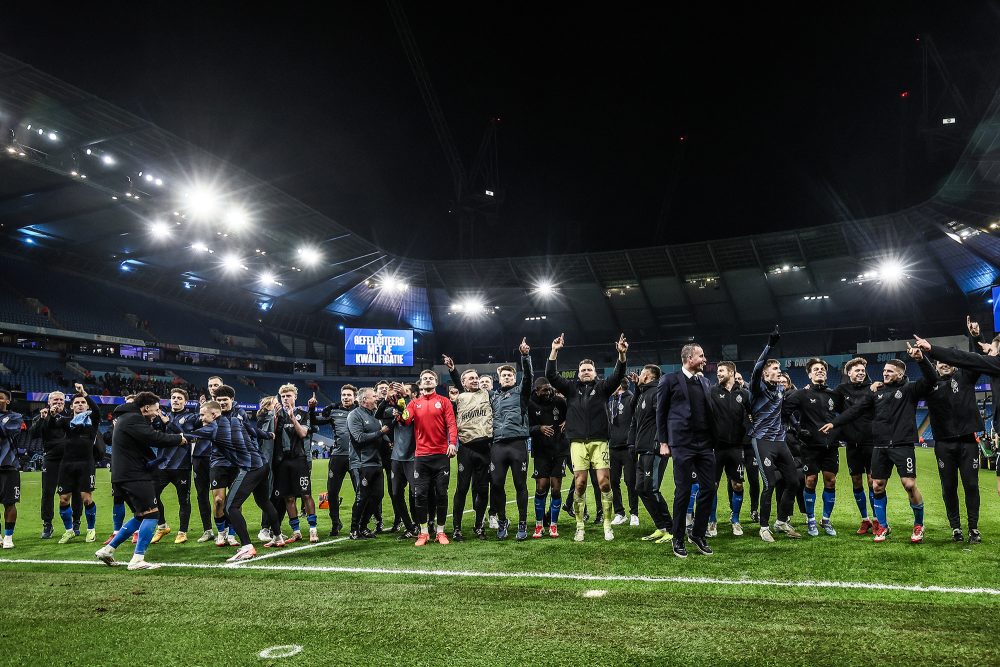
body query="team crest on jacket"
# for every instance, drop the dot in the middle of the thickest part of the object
(954, 386)
(437, 405)
(555, 413)
(739, 398)
(829, 404)
(898, 394)
(644, 404)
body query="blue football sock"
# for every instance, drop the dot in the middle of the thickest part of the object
(146, 530)
(918, 513)
(539, 507)
(90, 511)
(694, 495)
(220, 525)
(829, 498)
(715, 505)
(879, 505)
(555, 506)
(810, 498)
(859, 498)
(311, 520)
(737, 506)
(118, 515)
(294, 523)
(66, 513)
(9, 528)
(125, 532)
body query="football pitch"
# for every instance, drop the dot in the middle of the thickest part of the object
(815, 601)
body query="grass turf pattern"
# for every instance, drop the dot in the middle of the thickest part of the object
(79, 613)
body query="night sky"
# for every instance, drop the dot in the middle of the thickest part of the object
(788, 119)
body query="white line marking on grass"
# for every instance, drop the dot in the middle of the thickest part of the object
(286, 651)
(595, 593)
(274, 552)
(566, 576)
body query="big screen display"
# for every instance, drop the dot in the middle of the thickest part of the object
(378, 347)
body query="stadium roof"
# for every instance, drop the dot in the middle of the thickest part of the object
(89, 186)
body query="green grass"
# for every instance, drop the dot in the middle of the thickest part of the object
(88, 614)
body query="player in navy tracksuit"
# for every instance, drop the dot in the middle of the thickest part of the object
(768, 437)
(231, 440)
(174, 466)
(10, 476)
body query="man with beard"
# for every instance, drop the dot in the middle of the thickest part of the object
(651, 465)
(813, 406)
(338, 464)
(547, 414)
(731, 422)
(474, 420)
(858, 437)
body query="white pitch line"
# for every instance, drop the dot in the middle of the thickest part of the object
(274, 552)
(566, 576)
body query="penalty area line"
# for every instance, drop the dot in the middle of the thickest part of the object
(565, 576)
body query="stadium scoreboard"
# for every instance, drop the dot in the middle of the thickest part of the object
(378, 347)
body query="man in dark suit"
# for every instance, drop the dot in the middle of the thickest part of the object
(684, 421)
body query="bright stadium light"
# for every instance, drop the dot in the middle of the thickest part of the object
(199, 246)
(160, 230)
(232, 263)
(236, 218)
(202, 202)
(268, 278)
(107, 159)
(393, 285)
(892, 271)
(310, 256)
(473, 306)
(545, 288)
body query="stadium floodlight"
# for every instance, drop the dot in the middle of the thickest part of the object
(202, 202)
(160, 230)
(393, 285)
(268, 278)
(310, 256)
(892, 271)
(107, 159)
(53, 136)
(473, 306)
(236, 218)
(199, 246)
(149, 178)
(159, 181)
(232, 263)
(545, 288)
